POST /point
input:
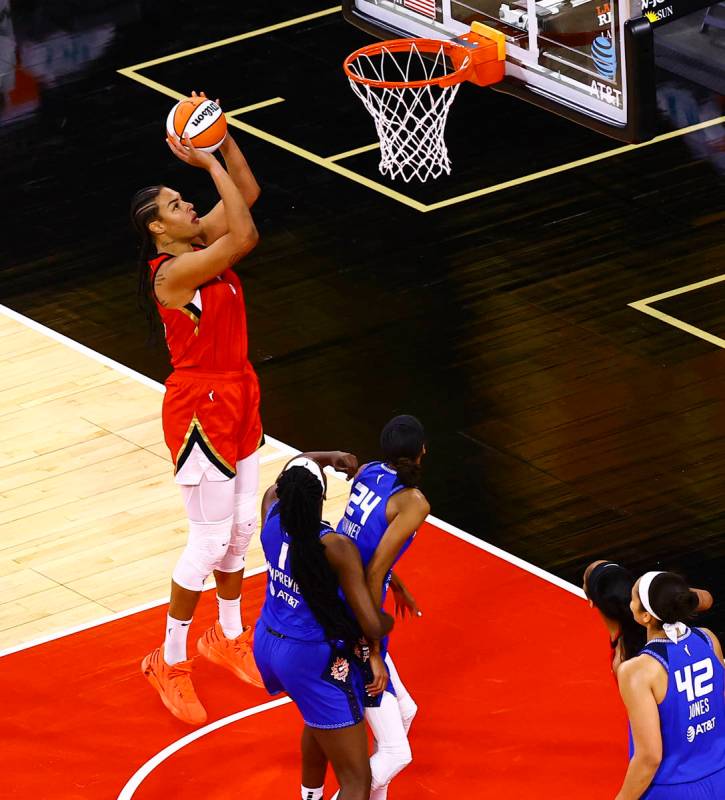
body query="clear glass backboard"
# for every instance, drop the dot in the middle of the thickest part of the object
(589, 60)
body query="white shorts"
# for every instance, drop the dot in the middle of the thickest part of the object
(195, 467)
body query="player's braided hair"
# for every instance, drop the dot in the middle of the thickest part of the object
(300, 504)
(144, 210)
(409, 472)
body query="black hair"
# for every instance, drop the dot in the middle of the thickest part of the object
(300, 503)
(671, 598)
(145, 209)
(609, 587)
(402, 441)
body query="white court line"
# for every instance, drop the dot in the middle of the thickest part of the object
(84, 626)
(505, 556)
(285, 448)
(270, 457)
(138, 777)
(109, 362)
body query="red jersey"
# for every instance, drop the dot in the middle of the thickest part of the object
(210, 332)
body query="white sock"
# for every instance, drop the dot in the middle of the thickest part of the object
(379, 794)
(175, 641)
(230, 616)
(312, 794)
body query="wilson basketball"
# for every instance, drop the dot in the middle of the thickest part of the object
(202, 119)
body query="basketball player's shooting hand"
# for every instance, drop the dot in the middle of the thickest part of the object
(203, 96)
(380, 675)
(185, 151)
(228, 142)
(347, 463)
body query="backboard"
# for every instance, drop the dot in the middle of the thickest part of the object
(591, 61)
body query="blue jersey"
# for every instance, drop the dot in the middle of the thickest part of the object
(365, 519)
(692, 714)
(285, 610)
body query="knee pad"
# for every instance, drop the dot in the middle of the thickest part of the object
(388, 761)
(408, 710)
(236, 554)
(205, 549)
(245, 524)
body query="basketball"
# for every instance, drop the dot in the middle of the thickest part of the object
(202, 119)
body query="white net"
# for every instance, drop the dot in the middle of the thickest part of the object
(410, 120)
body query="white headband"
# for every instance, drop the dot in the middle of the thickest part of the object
(310, 466)
(672, 630)
(644, 584)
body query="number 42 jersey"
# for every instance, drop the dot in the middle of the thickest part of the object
(692, 714)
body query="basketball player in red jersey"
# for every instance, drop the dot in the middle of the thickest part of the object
(211, 408)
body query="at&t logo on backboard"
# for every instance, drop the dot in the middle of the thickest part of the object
(606, 93)
(604, 56)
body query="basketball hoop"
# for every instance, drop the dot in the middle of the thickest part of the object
(409, 85)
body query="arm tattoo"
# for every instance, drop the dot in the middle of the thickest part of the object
(160, 278)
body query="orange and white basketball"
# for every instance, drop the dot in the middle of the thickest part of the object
(202, 119)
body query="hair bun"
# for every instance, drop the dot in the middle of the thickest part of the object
(672, 599)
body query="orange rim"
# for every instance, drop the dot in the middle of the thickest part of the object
(459, 55)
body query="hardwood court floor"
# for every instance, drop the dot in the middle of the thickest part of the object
(484, 728)
(564, 423)
(92, 522)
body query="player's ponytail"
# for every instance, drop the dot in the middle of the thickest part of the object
(672, 599)
(144, 210)
(300, 504)
(402, 442)
(409, 471)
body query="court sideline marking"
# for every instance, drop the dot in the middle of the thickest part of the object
(142, 772)
(645, 307)
(330, 162)
(285, 448)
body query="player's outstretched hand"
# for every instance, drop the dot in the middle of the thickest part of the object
(380, 675)
(185, 151)
(347, 463)
(404, 602)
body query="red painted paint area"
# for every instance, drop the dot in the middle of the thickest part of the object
(509, 672)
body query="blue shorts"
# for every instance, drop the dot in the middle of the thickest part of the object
(710, 788)
(325, 683)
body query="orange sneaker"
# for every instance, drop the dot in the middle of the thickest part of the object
(252, 675)
(232, 654)
(173, 683)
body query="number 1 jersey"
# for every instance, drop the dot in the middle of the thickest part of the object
(285, 609)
